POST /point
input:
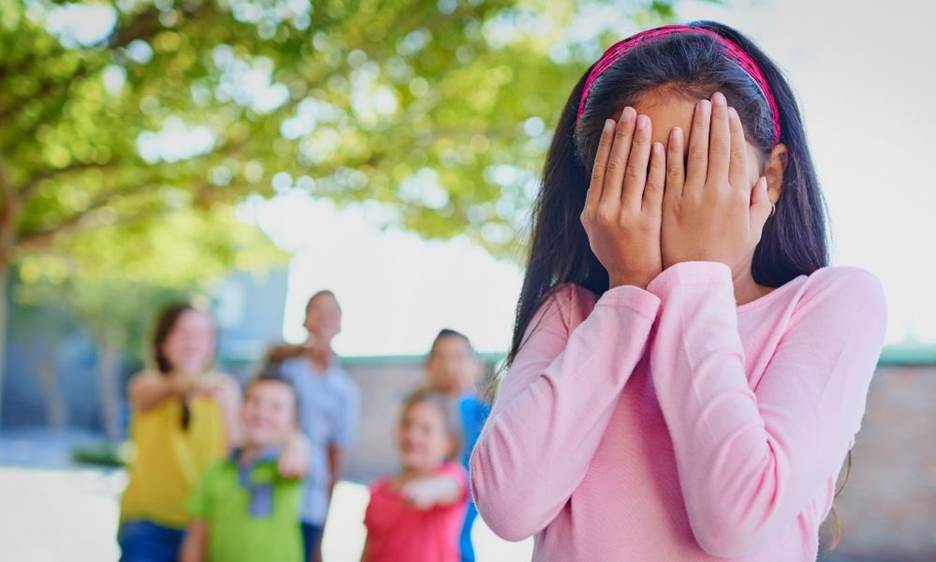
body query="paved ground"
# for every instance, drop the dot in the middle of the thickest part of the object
(51, 510)
(49, 515)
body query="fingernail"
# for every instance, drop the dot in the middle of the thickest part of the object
(718, 97)
(643, 122)
(609, 124)
(628, 113)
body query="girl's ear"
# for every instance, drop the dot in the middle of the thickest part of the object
(774, 169)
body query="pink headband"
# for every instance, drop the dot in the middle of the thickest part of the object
(734, 52)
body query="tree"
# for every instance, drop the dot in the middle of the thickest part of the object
(437, 110)
(157, 264)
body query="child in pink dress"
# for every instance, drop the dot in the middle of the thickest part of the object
(416, 515)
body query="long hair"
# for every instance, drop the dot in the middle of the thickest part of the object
(794, 240)
(165, 323)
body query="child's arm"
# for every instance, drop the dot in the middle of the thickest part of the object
(431, 491)
(335, 465)
(148, 390)
(750, 460)
(199, 506)
(194, 546)
(447, 487)
(554, 406)
(293, 461)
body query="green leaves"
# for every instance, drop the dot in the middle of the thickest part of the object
(117, 150)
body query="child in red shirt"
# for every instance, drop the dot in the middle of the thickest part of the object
(416, 515)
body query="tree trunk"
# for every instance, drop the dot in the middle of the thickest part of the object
(4, 271)
(54, 399)
(109, 349)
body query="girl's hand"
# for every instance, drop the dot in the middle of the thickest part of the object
(622, 213)
(429, 491)
(710, 212)
(225, 391)
(219, 387)
(419, 493)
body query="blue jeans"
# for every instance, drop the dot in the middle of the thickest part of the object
(145, 541)
(311, 536)
(464, 541)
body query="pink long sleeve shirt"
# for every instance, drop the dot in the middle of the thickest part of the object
(670, 424)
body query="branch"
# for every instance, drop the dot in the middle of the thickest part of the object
(9, 215)
(38, 238)
(29, 188)
(147, 24)
(6, 188)
(144, 26)
(41, 237)
(48, 88)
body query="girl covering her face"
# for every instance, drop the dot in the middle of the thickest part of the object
(687, 373)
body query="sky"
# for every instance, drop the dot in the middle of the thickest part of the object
(857, 69)
(396, 289)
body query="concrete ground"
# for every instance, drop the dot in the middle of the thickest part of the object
(53, 510)
(48, 515)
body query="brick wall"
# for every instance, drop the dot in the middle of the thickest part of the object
(888, 507)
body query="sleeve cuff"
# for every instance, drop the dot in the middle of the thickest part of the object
(690, 273)
(640, 301)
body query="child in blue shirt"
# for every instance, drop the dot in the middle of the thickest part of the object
(453, 369)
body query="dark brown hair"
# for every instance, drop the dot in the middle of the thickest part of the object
(449, 333)
(165, 322)
(794, 240)
(322, 293)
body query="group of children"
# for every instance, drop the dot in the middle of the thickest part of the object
(243, 509)
(686, 375)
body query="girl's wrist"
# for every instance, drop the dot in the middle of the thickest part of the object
(639, 281)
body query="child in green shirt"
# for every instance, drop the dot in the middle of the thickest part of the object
(243, 510)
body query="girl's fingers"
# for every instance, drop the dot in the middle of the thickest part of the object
(599, 167)
(617, 160)
(656, 179)
(635, 175)
(719, 157)
(697, 166)
(675, 172)
(760, 208)
(737, 170)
